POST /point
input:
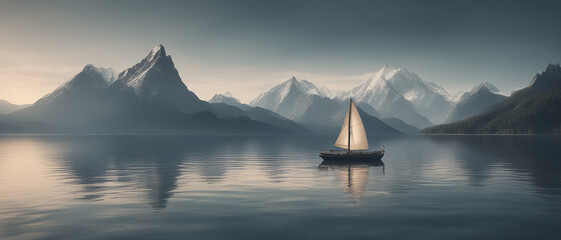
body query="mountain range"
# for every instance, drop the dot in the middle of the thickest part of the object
(228, 99)
(380, 93)
(7, 107)
(476, 101)
(394, 93)
(535, 109)
(428, 99)
(149, 97)
(301, 101)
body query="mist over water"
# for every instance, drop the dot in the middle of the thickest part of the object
(274, 187)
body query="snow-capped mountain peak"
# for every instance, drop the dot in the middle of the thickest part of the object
(475, 101)
(303, 85)
(429, 99)
(490, 86)
(108, 74)
(311, 88)
(386, 72)
(228, 94)
(374, 83)
(154, 75)
(158, 51)
(228, 99)
(156, 79)
(292, 84)
(289, 89)
(90, 79)
(218, 98)
(379, 93)
(456, 96)
(481, 87)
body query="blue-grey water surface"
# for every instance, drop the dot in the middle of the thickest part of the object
(273, 187)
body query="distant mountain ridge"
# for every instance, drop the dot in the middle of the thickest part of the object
(80, 101)
(227, 98)
(476, 101)
(7, 107)
(379, 93)
(376, 96)
(388, 93)
(149, 97)
(429, 99)
(303, 102)
(535, 109)
(300, 101)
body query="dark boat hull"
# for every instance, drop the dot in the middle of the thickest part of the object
(361, 156)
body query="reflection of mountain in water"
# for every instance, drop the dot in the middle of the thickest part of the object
(153, 164)
(536, 156)
(353, 175)
(89, 166)
(138, 161)
(164, 157)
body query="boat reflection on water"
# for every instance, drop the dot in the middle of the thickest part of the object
(353, 174)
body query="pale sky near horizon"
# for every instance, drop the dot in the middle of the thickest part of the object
(247, 47)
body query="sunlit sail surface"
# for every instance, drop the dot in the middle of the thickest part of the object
(353, 135)
(353, 138)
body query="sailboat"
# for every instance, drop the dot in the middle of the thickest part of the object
(353, 138)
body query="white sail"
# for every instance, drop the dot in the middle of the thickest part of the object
(358, 139)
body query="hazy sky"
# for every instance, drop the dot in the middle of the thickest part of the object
(246, 47)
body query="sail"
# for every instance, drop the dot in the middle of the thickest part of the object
(358, 139)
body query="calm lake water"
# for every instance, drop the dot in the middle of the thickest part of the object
(273, 187)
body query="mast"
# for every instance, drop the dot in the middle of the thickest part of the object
(349, 135)
(359, 139)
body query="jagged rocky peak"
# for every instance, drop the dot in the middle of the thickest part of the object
(228, 94)
(157, 52)
(305, 86)
(156, 80)
(485, 86)
(154, 75)
(550, 78)
(155, 57)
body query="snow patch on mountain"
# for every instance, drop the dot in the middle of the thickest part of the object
(429, 99)
(229, 94)
(379, 93)
(275, 96)
(109, 74)
(229, 99)
(489, 86)
(456, 97)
